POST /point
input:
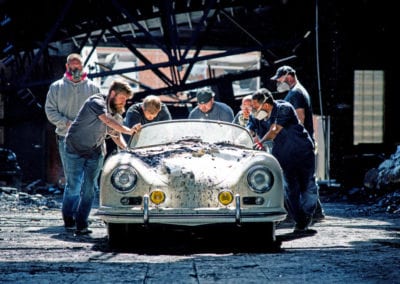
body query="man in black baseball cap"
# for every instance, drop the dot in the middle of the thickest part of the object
(297, 95)
(207, 108)
(283, 70)
(204, 96)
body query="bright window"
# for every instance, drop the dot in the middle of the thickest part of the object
(368, 106)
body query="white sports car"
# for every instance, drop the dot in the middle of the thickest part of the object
(191, 174)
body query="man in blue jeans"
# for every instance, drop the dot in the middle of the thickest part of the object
(85, 150)
(276, 120)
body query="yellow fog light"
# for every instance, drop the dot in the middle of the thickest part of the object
(157, 197)
(225, 197)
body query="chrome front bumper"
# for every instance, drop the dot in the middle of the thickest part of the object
(191, 217)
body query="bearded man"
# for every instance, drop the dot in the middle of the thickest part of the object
(65, 97)
(85, 150)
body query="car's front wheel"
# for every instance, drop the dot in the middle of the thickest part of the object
(117, 234)
(125, 235)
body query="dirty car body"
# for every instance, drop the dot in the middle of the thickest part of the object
(191, 173)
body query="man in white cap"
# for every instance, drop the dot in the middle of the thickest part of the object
(65, 97)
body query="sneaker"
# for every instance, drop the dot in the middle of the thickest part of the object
(304, 232)
(70, 228)
(84, 231)
(69, 224)
(302, 228)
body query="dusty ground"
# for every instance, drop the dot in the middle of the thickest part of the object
(355, 244)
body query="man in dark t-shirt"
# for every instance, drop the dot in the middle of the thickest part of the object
(299, 98)
(294, 150)
(85, 150)
(150, 110)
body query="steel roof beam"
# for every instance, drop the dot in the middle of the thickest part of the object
(134, 21)
(47, 40)
(141, 57)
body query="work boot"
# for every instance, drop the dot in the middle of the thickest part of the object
(84, 231)
(69, 223)
(302, 228)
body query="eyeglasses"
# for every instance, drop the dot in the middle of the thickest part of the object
(246, 108)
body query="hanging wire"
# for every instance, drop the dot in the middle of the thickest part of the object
(317, 58)
(324, 120)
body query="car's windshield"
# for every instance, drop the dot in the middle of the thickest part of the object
(174, 131)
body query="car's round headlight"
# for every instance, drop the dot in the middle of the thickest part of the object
(260, 179)
(124, 178)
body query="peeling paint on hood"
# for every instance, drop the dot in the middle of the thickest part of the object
(194, 162)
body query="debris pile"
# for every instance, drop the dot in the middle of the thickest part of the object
(382, 184)
(387, 175)
(34, 197)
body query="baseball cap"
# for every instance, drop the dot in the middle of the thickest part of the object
(74, 56)
(283, 70)
(204, 96)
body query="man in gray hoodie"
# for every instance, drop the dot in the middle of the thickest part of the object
(65, 97)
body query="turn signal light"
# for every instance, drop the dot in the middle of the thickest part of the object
(225, 197)
(157, 197)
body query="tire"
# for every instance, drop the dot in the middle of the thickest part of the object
(259, 237)
(126, 235)
(117, 234)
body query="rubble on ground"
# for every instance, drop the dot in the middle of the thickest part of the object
(382, 185)
(34, 197)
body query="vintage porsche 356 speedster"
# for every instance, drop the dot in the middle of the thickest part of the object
(191, 174)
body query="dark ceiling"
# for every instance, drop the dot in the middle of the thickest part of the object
(229, 23)
(32, 32)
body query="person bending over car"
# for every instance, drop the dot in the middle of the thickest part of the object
(293, 147)
(85, 150)
(286, 81)
(208, 108)
(150, 110)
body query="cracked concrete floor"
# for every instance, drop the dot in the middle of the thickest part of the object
(353, 244)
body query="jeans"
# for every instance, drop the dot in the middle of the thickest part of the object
(301, 189)
(61, 151)
(82, 176)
